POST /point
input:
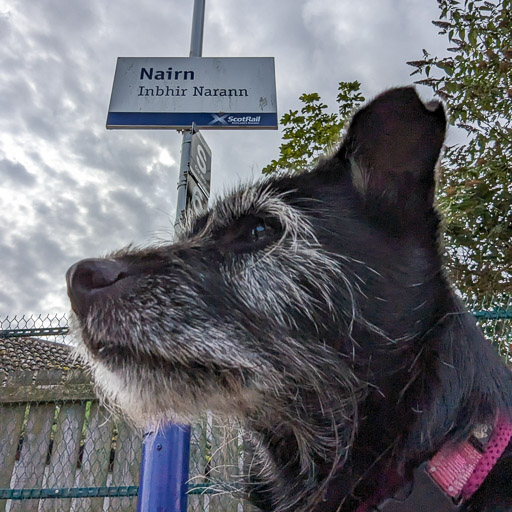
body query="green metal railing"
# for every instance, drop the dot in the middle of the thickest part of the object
(111, 460)
(95, 492)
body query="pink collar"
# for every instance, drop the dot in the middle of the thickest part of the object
(460, 470)
(454, 474)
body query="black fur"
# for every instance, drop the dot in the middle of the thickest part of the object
(445, 378)
(428, 373)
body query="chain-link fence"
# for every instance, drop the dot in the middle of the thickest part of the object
(49, 327)
(57, 442)
(60, 450)
(494, 316)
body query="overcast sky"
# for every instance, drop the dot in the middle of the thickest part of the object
(70, 189)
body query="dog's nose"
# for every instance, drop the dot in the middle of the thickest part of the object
(94, 280)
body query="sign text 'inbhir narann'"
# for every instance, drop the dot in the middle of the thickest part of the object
(172, 74)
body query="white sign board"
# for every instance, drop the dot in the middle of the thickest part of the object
(213, 93)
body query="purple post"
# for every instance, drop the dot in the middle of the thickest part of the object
(164, 471)
(165, 454)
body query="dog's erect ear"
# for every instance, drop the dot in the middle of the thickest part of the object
(393, 145)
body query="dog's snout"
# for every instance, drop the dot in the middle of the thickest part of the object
(94, 280)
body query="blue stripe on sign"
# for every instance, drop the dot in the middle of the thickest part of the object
(184, 120)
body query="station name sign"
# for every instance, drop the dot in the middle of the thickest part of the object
(213, 93)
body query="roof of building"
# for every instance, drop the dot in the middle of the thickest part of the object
(35, 354)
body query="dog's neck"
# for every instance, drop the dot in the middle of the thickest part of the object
(404, 420)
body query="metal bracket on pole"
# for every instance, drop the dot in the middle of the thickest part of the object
(181, 200)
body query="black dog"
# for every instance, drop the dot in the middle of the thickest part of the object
(315, 308)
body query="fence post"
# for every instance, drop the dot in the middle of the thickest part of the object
(165, 455)
(163, 478)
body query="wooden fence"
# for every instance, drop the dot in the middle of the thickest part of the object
(55, 437)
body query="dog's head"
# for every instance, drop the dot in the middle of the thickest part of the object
(287, 291)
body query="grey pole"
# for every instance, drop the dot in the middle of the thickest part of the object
(196, 40)
(196, 50)
(165, 453)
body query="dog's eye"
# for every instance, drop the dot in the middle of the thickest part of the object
(262, 232)
(251, 234)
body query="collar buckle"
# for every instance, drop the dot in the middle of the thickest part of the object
(425, 495)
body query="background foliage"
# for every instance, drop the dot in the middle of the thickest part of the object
(475, 189)
(314, 132)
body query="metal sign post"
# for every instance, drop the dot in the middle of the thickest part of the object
(187, 94)
(166, 452)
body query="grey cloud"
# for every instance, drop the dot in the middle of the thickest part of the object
(61, 179)
(5, 304)
(93, 205)
(26, 273)
(5, 27)
(61, 215)
(46, 247)
(65, 17)
(135, 210)
(15, 173)
(39, 124)
(94, 191)
(120, 157)
(107, 224)
(11, 88)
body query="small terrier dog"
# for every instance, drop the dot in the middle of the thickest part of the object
(315, 308)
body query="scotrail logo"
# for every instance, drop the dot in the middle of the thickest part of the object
(230, 120)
